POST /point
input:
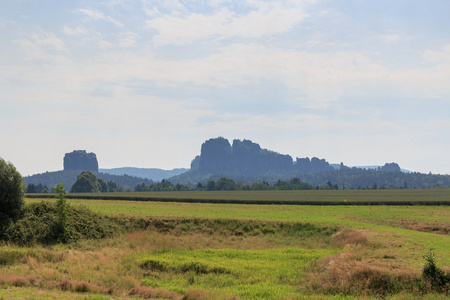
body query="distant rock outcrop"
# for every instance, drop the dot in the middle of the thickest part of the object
(80, 160)
(215, 156)
(313, 165)
(249, 159)
(392, 167)
(245, 158)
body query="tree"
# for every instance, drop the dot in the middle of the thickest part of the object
(31, 188)
(86, 183)
(12, 191)
(62, 210)
(225, 184)
(12, 194)
(211, 185)
(103, 185)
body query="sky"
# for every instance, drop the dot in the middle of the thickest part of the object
(143, 83)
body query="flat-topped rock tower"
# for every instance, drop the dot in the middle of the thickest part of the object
(80, 160)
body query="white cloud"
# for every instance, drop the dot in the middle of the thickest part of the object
(437, 56)
(128, 40)
(174, 6)
(98, 15)
(311, 79)
(41, 46)
(49, 39)
(266, 20)
(75, 31)
(391, 38)
(104, 45)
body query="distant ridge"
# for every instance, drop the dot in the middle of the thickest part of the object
(374, 167)
(68, 177)
(149, 173)
(246, 162)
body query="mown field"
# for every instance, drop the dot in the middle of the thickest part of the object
(333, 197)
(179, 250)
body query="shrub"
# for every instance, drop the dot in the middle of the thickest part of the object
(434, 276)
(40, 224)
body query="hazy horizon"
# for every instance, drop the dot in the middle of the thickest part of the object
(144, 83)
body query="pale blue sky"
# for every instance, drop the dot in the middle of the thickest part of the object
(144, 83)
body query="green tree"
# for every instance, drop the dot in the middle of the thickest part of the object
(12, 194)
(225, 184)
(12, 190)
(103, 185)
(31, 188)
(211, 185)
(295, 181)
(86, 182)
(62, 210)
(259, 186)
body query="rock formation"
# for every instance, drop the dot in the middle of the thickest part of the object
(245, 158)
(315, 165)
(80, 160)
(391, 167)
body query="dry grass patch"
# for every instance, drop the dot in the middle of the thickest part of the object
(154, 293)
(83, 287)
(350, 238)
(432, 227)
(19, 281)
(192, 294)
(346, 273)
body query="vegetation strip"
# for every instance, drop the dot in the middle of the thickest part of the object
(349, 197)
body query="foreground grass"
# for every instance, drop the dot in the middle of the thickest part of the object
(218, 251)
(171, 261)
(406, 232)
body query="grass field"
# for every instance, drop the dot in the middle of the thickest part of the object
(340, 197)
(237, 251)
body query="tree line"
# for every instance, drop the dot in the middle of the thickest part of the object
(87, 182)
(225, 184)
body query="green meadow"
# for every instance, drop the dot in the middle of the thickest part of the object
(183, 250)
(266, 274)
(301, 197)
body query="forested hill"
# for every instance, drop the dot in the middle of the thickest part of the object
(149, 173)
(68, 177)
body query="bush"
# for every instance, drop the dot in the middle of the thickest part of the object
(434, 276)
(40, 224)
